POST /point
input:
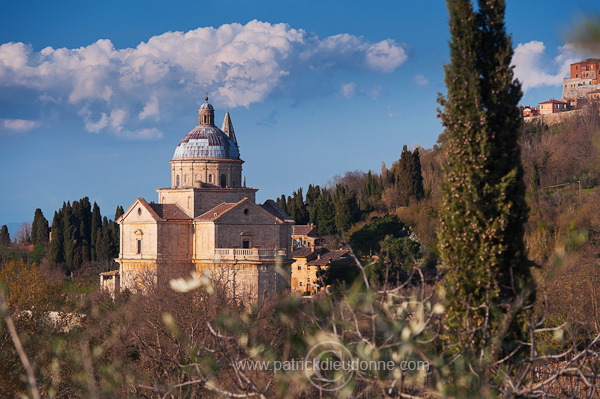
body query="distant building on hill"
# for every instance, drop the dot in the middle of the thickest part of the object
(309, 261)
(305, 235)
(553, 106)
(582, 79)
(528, 111)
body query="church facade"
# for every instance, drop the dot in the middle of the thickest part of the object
(206, 220)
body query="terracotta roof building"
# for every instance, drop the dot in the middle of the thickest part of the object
(553, 106)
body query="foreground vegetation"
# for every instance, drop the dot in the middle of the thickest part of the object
(498, 303)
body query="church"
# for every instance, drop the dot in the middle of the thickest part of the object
(206, 220)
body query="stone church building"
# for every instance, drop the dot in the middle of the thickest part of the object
(205, 220)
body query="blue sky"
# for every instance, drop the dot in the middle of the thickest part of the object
(95, 96)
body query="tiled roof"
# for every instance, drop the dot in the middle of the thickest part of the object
(301, 252)
(148, 208)
(304, 230)
(218, 211)
(271, 207)
(337, 256)
(309, 253)
(169, 211)
(553, 101)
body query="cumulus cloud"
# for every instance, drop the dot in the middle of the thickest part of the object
(121, 91)
(534, 69)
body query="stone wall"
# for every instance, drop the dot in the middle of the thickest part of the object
(575, 88)
(207, 171)
(248, 280)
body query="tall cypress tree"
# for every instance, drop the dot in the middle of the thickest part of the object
(4, 236)
(404, 175)
(488, 279)
(96, 229)
(417, 178)
(282, 203)
(325, 214)
(56, 251)
(39, 228)
(346, 208)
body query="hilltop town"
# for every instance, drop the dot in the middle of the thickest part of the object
(580, 89)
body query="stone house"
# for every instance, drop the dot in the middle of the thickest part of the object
(308, 261)
(305, 235)
(206, 220)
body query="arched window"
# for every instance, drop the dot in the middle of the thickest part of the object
(223, 181)
(177, 181)
(210, 179)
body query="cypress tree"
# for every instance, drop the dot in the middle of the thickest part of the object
(488, 280)
(96, 226)
(297, 207)
(4, 236)
(418, 192)
(404, 175)
(282, 203)
(325, 214)
(312, 194)
(39, 228)
(346, 208)
(69, 235)
(56, 251)
(118, 212)
(116, 232)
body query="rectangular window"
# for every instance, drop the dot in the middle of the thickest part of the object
(300, 283)
(308, 280)
(299, 267)
(245, 244)
(139, 246)
(307, 267)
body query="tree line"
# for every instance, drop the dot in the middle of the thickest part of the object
(353, 197)
(78, 234)
(81, 234)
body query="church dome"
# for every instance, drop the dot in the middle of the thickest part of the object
(207, 141)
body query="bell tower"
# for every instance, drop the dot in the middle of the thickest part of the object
(206, 114)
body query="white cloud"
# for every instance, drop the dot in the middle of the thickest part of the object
(150, 109)
(120, 90)
(348, 90)
(534, 69)
(385, 56)
(420, 80)
(19, 125)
